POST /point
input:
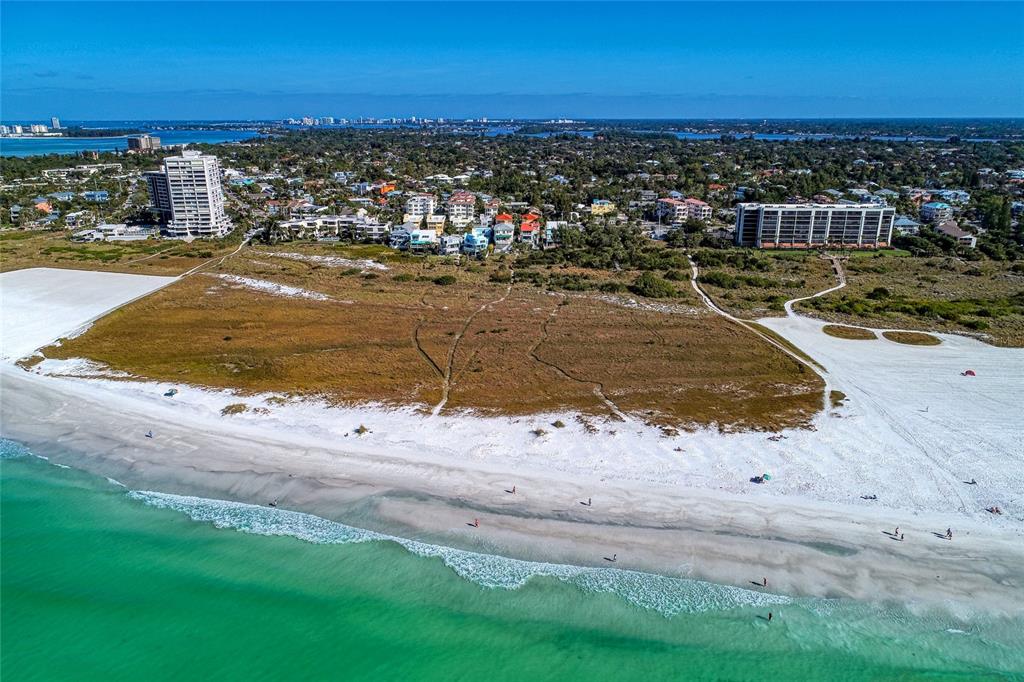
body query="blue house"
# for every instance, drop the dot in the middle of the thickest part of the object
(476, 241)
(98, 196)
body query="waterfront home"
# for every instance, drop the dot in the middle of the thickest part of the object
(423, 241)
(553, 233)
(602, 207)
(436, 222)
(449, 245)
(476, 241)
(398, 238)
(529, 232)
(370, 230)
(504, 234)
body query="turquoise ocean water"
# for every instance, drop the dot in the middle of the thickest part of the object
(100, 582)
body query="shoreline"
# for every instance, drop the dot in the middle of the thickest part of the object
(804, 548)
(913, 431)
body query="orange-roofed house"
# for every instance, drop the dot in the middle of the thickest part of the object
(529, 231)
(697, 209)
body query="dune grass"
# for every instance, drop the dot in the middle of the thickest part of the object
(850, 333)
(913, 338)
(392, 340)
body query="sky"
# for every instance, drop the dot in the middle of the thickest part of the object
(258, 60)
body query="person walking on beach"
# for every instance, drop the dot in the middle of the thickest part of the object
(901, 537)
(769, 616)
(949, 533)
(513, 490)
(589, 501)
(476, 523)
(897, 531)
(764, 582)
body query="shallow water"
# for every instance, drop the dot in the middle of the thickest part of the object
(38, 146)
(100, 582)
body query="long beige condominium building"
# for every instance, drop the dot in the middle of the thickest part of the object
(192, 196)
(801, 226)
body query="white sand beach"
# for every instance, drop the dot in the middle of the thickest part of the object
(41, 305)
(912, 431)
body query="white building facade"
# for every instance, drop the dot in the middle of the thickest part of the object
(195, 196)
(419, 205)
(814, 225)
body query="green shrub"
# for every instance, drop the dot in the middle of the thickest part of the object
(612, 287)
(445, 280)
(879, 293)
(650, 285)
(676, 276)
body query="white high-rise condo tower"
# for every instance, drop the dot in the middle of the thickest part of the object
(194, 196)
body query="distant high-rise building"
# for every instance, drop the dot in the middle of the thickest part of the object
(37, 128)
(143, 143)
(55, 123)
(191, 190)
(327, 120)
(4, 130)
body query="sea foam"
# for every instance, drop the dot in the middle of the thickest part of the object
(663, 594)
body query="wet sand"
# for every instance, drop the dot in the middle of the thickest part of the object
(802, 547)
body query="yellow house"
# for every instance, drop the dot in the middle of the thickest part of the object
(436, 222)
(602, 207)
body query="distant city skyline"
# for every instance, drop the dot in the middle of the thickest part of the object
(237, 60)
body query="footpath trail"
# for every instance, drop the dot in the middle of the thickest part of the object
(711, 305)
(837, 266)
(219, 259)
(597, 386)
(446, 379)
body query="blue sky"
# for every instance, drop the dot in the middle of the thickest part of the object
(127, 60)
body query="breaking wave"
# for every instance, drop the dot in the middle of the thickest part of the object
(10, 449)
(665, 595)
